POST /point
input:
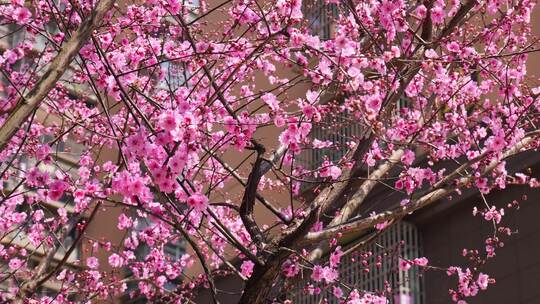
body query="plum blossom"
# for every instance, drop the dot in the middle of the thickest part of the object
(337, 292)
(404, 265)
(318, 144)
(43, 151)
(421, 261)
(15, 263)
(92, 262)
(437, 14)
(115, 260)
(482, 281)
(247, 268)
(271, 100)
(496, 143)
(124, 222)
(421, 11)
(22, 15)
(290, 268)
(326, 273)
(163, 115)
(329, 170)
(198, 202)
(335, 257)
(57, 189)
(453, 47)
(408, 157)
(318, 273)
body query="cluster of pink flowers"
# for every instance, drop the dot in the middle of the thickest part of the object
(164, 115)
(406, 264)
(469, 284)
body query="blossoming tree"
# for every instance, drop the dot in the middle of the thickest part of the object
(187, 98)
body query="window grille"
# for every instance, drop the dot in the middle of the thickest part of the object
(403, 103)
(174, 75)
(407, 286)
(320, 17)
(69, 146)
(68, 241)
(174, 250)
(339, 129)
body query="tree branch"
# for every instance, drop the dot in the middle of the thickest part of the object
(363, 224)
(248, 201)
(56, 69)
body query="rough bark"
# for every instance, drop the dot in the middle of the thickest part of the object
(261, 283)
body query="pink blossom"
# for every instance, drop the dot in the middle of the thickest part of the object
(165, 111)
(247, 268)
(421, 11)
(437, 14)
(22, 15)
(482, 281)
(318, 144)
(408, 157)
(56, 189)
(337, 292)
(115, 260)
(404, 265)
(431, 54)
(43, 151)
(382, 225)
(15, 263)
(335, 257)
(198, 202)
(421, 261)
(318, 273)
(271, 100)
(36, 178)
(496, 143)
(494, 214)
(124, 222)
(329, 170)
(92, 262)
(290, 268)
(330, 274)
(38, 215)
(453, 47)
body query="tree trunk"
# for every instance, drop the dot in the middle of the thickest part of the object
(260, 285)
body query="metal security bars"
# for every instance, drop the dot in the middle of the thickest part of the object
(339, 129)
(399, 240)
(320, 17)
(174, 75)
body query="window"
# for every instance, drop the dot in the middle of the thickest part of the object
(320, 17)
(339, 129)
(174, 75)
(68, 241)
(174, 250)
(68, 147)
(406, 285)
